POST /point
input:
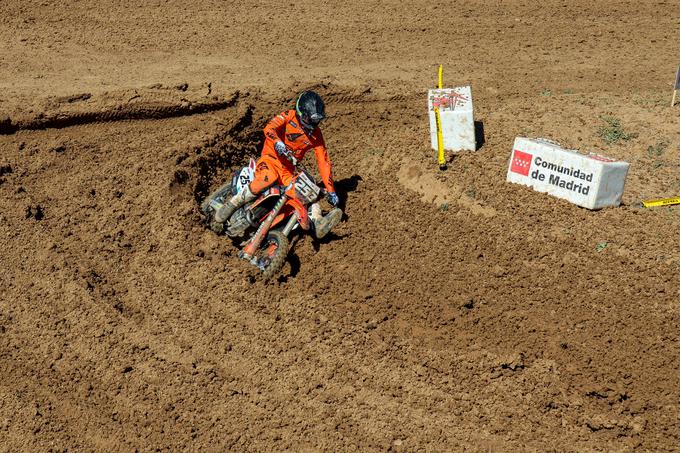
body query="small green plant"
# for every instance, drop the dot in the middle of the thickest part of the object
(567, 91)
(656, 150)
(613, 131)
(601, 246)
(444, 207)
(471, 192)
(648, 100)
(546, 92)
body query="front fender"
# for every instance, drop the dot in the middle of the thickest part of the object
(301, 213)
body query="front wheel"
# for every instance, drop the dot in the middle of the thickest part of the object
(272, 254)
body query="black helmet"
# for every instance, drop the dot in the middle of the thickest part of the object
(310, 110)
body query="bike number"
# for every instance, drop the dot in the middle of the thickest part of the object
(305, 189)
(246, 175)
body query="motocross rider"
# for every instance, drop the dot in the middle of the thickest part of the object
(288, 136)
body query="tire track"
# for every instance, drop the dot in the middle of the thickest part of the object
(143, 110)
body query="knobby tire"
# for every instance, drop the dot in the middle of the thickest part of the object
(279, 258)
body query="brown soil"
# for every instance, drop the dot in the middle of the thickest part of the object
(450, 311)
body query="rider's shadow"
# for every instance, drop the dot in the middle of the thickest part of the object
(344, 187)
(294, 263)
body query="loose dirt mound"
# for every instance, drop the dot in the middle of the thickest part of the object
(449, 311)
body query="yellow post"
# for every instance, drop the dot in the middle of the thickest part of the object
(440, 140)
(661, 202)
(440, 137)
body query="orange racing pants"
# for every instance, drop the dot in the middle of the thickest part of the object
(270, 171)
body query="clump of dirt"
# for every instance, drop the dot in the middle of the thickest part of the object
(6, 126)
(36, 212)
(4, 170)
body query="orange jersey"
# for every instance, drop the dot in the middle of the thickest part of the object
(284, 127)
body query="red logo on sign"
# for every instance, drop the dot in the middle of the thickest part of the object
(601, 158)
(521, 162)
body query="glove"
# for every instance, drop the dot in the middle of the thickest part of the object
(282, 150)
(333, 198)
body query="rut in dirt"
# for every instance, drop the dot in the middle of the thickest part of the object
(142, 104)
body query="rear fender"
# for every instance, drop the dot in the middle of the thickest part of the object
(244, 176)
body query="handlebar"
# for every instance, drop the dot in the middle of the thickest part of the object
(299, 168)
(291, 159)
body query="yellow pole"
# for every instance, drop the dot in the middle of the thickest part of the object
(661, 202)
(440, 137)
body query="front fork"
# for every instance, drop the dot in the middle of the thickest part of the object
(251, 247)
(292, 223)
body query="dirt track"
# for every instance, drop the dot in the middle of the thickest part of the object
(450, 311)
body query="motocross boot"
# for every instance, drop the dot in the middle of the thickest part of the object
(324, 224)
(227, 209)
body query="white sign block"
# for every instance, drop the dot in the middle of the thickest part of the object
(456, 113)
(591, 181)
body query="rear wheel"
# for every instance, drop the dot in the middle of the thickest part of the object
(220, 195)
(272, 254)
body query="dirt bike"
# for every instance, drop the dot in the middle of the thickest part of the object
(266, 223)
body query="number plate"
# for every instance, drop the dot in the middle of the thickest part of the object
(244, 178)
(305, 189)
